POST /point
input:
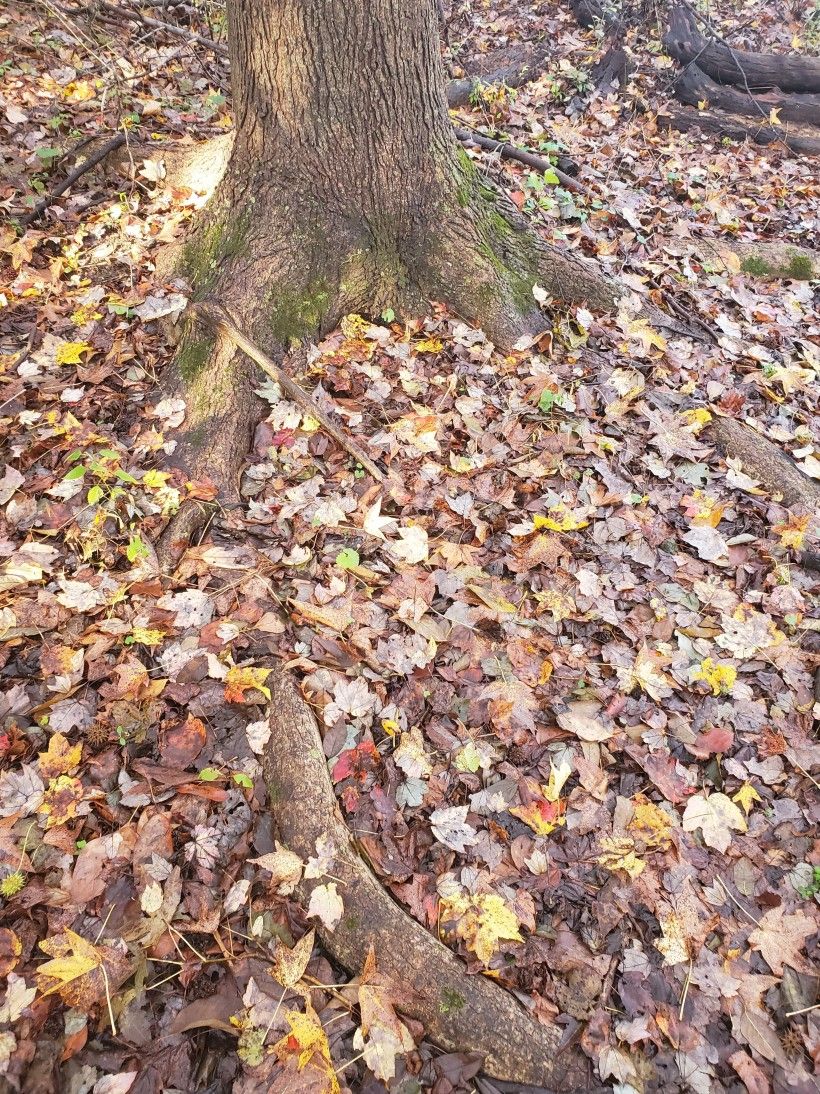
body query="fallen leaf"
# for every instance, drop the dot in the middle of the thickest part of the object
(326, 904)
(780, 939)
(716, 816)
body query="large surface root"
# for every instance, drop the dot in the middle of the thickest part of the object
(459, 1012)
(766, 462)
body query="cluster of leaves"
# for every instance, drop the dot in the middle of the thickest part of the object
(564, 670)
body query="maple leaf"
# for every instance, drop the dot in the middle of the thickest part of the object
(60, 757)
(511, 705)
(413, 547)
(673, 944)
(239, 680)
(720, 678)
(482, 920)
(780, 938)
(79, 971)
(326, 904)
(289, 964)
(375, 523)
(650, 824)
(382, 1035)
(793, 532)
(284, 866)
(60, 800)
(541, 816)
(449, 825)
(746, 796)
(307, 1043)
(647, 674)
(618, 853)
(715, 816)
(411, 757)
(71, 353)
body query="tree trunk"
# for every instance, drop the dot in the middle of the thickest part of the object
(346, 191)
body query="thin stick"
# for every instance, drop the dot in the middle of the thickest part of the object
(219, 318)
(81, 168)
(169, 28)
(734, 900)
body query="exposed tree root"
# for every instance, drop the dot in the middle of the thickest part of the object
(770, 259)
(753, 71)
(521, 155)
(766, 462)
(693, 86)
(458, 1011)
(727, 125)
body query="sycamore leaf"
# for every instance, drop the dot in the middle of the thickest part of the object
(307, 1043)
(326, 904)
(60, 757)
(715, 816)
(289, 964)
(781, 937)
(449, 825)
(482, 920)
(239, 680)
(382, 1035)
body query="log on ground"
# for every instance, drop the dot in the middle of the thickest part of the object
(765, 462)
(693, 86)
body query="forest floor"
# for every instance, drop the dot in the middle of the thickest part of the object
(566, 671)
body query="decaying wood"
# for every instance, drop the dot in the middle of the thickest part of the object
(220, 319)
(765, 462)
(459, 1012)
(752, 71)
(771, 259)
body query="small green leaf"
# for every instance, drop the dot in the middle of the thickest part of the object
(551, 178)
(347, 558)
(48, 154)
(135, 549)
(547, 401)
(95, 494)
(241, 779)
(210, 774)
(76, 472)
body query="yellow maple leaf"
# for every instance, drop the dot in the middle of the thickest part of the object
(774, 116)
(146, 637)
(60, 800)
(71, 353)
(720, 678)
(307, 1042)
(793, 531)
(618, 853)
(482, 920)
(289, 965)
(563, 521)
(428, 345)
(60, 757)
(72, 957)
(695, 420)
(85, 313)
(650, 824)
(239, 680)
(746, 796)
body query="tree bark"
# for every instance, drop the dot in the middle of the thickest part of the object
(346, 190)
(694, 86)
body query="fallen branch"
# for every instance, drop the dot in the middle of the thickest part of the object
(97, 157)
(521, 155)
(184, 32)
(459, 1012)
(765, 462)
(216, 316)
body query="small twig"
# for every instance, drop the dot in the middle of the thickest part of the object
(97, 157)
(220, 319)
(803, 1010)
(735, 901)
(529, 159)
